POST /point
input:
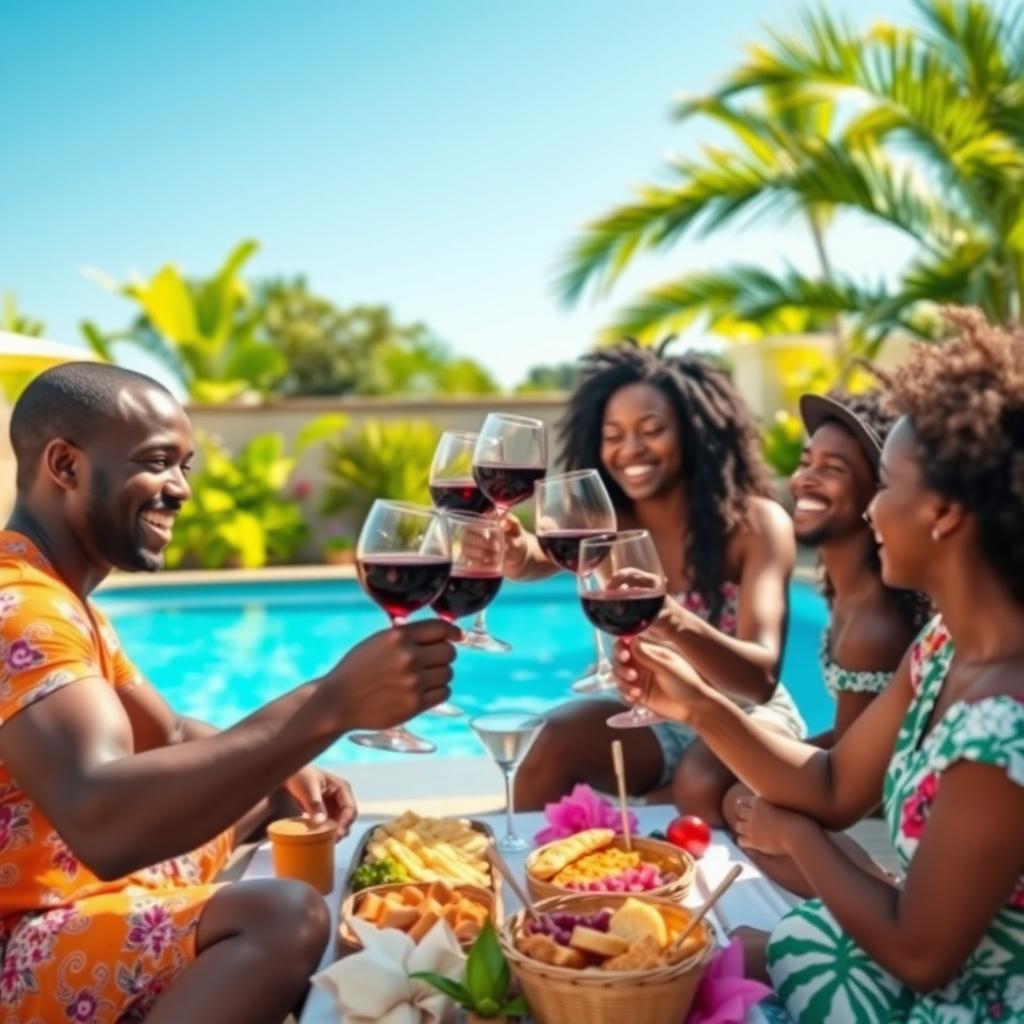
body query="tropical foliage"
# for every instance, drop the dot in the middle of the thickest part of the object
(383, 460)
(204, 331)
(12, 319)
(240, 514)
(917, 128)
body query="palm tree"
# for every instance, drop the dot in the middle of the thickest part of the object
(920, 129)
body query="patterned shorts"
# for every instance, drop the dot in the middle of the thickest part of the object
(105, 959)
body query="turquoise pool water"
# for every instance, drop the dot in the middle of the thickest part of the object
(218, 651)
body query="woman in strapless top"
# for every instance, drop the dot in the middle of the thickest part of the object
(680, 456)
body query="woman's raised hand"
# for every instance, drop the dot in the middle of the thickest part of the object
(665, 681)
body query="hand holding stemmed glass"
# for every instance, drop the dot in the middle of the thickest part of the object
(622, 587)
(570, 508)
(404, 559)
(509, 457)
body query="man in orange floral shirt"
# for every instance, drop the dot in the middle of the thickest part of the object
(115, 814)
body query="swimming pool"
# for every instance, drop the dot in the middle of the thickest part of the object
(218, 651)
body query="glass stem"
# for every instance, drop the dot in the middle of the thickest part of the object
(510, 775)
(480, 623)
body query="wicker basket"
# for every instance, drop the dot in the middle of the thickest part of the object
(556, 995)
(348, 941)
(665, 855)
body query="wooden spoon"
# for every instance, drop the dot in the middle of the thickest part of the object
(499, 863)
(713, 898)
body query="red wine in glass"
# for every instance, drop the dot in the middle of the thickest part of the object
(466, 593)
(622, 612)
(507, 485)
(403, 584)
(563, 546)
(460, 496)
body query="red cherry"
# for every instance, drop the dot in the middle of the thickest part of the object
(691, 834)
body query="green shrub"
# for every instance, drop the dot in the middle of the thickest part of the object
(239, 514)
(383, 460)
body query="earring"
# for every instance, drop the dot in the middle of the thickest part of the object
(935, 534)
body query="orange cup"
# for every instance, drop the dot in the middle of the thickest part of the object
(303, 851)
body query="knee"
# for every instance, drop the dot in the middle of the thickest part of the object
(295, 916)
(698, 790)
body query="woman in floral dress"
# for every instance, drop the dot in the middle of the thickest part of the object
(944, 742)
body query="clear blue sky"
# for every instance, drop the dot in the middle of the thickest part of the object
(435, 155)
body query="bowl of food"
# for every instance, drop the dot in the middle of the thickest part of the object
(607, 958)
(414, 908)
(598, 860)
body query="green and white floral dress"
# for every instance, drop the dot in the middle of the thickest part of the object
(847, 680)
(819, 973)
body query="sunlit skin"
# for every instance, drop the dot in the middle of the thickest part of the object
(92, 758)
(930, 544)
(832, 488)
(643, 449)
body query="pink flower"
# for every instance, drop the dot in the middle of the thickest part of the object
(82, 1007)
(302, 490)
(1017, 896)
(915, 810)
(151, 931)
(724, 994)
(580, 810)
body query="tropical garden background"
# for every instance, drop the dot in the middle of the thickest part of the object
(915, 125)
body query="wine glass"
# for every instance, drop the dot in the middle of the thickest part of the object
(622, 587)
(507, 736)
(453, 488)
(404, 559)
(510, 457)
(571, 507)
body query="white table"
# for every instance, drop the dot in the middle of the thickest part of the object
(752, 900)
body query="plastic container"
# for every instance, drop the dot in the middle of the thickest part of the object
(304, 851)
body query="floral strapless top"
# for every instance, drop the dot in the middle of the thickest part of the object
(693, 601)
(846, 680)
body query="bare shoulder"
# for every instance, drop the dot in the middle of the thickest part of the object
(1000, 679)
(874, 639)
(767, 524)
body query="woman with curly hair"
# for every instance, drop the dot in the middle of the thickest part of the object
(680, 456)
(946, 738)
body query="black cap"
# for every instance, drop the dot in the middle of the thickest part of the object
(818, 409)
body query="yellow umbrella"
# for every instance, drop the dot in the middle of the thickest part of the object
(22, 354)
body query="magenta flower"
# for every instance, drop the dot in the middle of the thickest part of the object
(915, 810)
(83, 1007)
(724, 994)
(580, 810)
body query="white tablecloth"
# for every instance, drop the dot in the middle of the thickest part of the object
(752, 900)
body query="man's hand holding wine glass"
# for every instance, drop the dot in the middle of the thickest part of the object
(393, 675)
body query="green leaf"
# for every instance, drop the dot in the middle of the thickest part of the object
(168, 305)
(487, 973)
(516, 1007)
(98, 341)
(452, 989)
(244, 532)
(329, 425)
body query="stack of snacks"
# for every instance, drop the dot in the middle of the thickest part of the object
(597, 861)
(416, 908)
(607, 959)
(431, 849)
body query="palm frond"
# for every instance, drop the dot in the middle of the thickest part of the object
(740, 301)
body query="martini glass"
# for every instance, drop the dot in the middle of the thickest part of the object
(570, 508)
(622, 587)
(507, 736)
(404, 560)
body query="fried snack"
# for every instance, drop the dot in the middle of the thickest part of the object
(692, 944)
(601, 944)
(415, 911)
(597, 865)
(643, 955)
(635, 920)
(432, 849)
(538, 947)
(557, 856)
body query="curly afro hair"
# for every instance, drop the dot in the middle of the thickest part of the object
(722, 465)
(965, 401)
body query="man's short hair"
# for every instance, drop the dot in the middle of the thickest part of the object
(71, 402)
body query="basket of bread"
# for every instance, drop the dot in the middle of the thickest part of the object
(598, 860)
(411, 872)
(607, 958)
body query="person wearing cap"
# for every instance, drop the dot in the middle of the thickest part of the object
(870, 625)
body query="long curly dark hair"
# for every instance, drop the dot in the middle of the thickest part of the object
(722, 464)
(876, 410)
(965, 400)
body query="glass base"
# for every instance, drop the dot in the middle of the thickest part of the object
(636, 718)
(513, 844)
(598, 679)
(398, 741)
(445, 710)
(475, 641)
